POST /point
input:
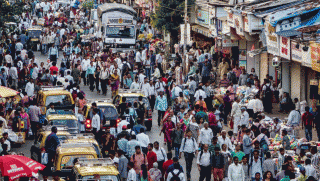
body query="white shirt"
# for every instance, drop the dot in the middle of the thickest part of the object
(135, 86)
(176, 171)
(205, 158)
(121, 124)
(235, 112)
(159, 58)
(85, 64)
(152, 90)
(8, 58)
(225, 141)
(161, 154)
(205, 136)
(256, 167)
(257, 106)
(156, 73)
(199, 93)
(141, 78)
(189, 145)
(250, 104)
(13, 72)
(160, 86)
(236, 173)
(7, 142)
(311, 171)
(132, 175)
(30, 89)
(144, 55)
(294, 118)
(244, 119)
(138, 57)
(96, 122)
(35, 72)
(143, 139)
(145, 89)
(176, 91)
(80, 118)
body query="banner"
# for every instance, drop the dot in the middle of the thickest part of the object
(315, 56)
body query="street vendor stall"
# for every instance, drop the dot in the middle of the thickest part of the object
(7, 94)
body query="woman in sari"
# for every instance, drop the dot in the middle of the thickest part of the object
(114, 82)
(26, 121)
(167, 129)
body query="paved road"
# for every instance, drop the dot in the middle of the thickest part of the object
(153, 134)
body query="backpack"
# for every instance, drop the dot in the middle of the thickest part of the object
(185, 140)
(175, 177)
(267, 91)
(141, 109)
(264, 145)
(201, 153)
(125, 68)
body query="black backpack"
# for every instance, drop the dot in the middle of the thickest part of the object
(268, 91)
(175, 177)
(141, 109)
(125, 68)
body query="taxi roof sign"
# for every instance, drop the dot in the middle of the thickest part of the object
(129, 91)
(48, 88)
(66, 144)
(59, 128)
(81, 135)
(96, 162)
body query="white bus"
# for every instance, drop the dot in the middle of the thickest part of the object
(117, 26)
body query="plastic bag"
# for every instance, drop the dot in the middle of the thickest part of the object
(30, 132)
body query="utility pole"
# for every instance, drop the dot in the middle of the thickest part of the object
(185, 36)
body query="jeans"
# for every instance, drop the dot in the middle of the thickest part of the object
(104, 86)
(160, 116)
(177, 149)
(308, 130)
(189, 158)
(148, 73)
(205, 172)
(44, 48)
(160, 68)
(91, 80)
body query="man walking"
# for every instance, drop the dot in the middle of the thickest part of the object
(307, 123)
(204, 163)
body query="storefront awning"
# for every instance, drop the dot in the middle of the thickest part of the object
(256, 52)
(201, 30)
(288, 33)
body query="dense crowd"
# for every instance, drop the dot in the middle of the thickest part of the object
(211, 112)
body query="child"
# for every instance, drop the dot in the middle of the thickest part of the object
(285, 140)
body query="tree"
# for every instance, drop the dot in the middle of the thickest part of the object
(9, 11)
(169, 15)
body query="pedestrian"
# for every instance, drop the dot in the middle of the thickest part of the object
(132, 175)
(307, 123)
(155, 173)
(236, 172)
(138, 158)
(204, 162)
(176, 136)
(151, 156)
(51, 144)
(161, 105)
(189, 147)
(167, 129)
(122, 166)
(161, 155)
(144, 140)
(115, 80)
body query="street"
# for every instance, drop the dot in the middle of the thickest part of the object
(153, 134)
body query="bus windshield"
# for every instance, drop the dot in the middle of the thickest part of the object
(119, 31)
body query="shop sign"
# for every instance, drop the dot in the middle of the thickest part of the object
(230, 20)
(296, 53)
(229, 43)
(238, 23)
(272, 40)
(242, 54)
(285, 48)
(254, 23)
(314, 82)
(212, 12)
(203, 17)
(315, 56)
(243, 64)
(246, 24)
(306, 58)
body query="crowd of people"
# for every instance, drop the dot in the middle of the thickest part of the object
(200, 113)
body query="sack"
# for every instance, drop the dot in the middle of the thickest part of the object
(231, 124)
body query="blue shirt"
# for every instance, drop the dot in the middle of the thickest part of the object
(202, 58)
(52, 142)
(161, 103)
(90, 70)
(137, 128)
(122, 144)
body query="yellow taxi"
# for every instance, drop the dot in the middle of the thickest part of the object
(133, 96)
(67, 152)
(40, 142)
(109, 113)
(69, 121)
(101, 169)
(58, 96)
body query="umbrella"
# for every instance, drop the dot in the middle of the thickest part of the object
(7, 92)
(16, 166)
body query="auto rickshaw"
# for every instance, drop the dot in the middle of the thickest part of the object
(34, 34)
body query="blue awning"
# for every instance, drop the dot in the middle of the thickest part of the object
(288, 33)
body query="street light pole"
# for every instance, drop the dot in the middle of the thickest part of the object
(185, 35)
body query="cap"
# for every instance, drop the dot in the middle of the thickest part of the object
(124, 127)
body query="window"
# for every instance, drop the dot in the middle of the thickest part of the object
(58, 100)
(64, 122)
(67, 161)
(113, 31)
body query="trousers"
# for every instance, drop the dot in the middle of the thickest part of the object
(189, 158)
(205, 173)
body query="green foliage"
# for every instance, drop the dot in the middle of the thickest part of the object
(88, 4)
(8, 11)
(169, 15)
